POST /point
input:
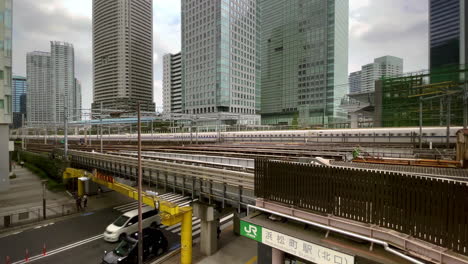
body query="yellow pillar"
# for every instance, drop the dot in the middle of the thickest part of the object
(80, 187)
(186, 239)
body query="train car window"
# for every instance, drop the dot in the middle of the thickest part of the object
(407, 134)
(399, 134)
(425, 134)
(433, 134)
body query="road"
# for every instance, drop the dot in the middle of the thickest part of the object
(75, 240)
(79, 239)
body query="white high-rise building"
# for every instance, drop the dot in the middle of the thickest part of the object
(172, 83)
(40, 95)
(63, 79)
(123, 54)
(51, 82)
(386, 66)
(220, 40)
(5, 91)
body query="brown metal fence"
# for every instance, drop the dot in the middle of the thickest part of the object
(430, 209)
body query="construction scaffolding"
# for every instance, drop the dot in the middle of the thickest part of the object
(442, 93)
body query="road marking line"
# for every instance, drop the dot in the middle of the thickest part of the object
(64, 248)
(37, 227)
(252, 260)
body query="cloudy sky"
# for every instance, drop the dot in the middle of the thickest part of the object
(377, 28)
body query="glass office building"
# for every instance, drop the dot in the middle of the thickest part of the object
(304, 61)
(6, 23)
(19, 88)
(447, 32)
(19, 100)
(219, 58)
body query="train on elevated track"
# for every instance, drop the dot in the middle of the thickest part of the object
(408, 135)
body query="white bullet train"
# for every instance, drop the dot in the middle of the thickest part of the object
(434, 135)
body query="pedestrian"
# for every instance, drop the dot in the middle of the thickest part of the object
(78, 204)
(99, 191)
(85, 201)
(22, 164)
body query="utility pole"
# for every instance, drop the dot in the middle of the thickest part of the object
(100, 118)
(420, 121)
(23, 144)
(448, 120)
(44, 198)
(65, 132)
(465, 105)
(140, 218)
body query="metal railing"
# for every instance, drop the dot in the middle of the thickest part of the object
(429, 209)
(35, 214)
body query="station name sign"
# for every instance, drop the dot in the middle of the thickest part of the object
(297, 247)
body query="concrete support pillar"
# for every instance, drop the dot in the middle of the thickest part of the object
(277, 256)
(208, 237)
(354, 120)
(208, 227)
(236, 223)
(263, 253)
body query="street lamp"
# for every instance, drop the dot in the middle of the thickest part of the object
(44, 182)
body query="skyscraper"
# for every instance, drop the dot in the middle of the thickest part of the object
(63, 79)
(386, 66)
(355, 82)
(77, 101)
(123, 54)
(172, 83)
(19, 96)
(219, 58)
(448, 32)
(304, 61)
(40, 95)
(5, 91)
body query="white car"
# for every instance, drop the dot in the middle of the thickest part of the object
(128, 223)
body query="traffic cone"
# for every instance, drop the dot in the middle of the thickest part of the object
(44, 250)
(26, 259)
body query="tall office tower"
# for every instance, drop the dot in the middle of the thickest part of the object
(40, 95)
(354, 82)
(219, 58)
(304, 61)
(386, 66)
(63, 79)
(5, 91)
(77, 101)
(172, 83)
(448, 32)
(19, 96)
(123, 54)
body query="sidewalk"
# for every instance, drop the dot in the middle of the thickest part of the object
(232, 249)
(26, 191)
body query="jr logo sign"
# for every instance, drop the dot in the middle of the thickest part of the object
(251, 231)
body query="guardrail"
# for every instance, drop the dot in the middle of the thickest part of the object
(429, 209)
(35, 214)
(234, 178)
(229, 187)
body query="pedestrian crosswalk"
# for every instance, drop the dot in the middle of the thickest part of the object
(180, 201)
